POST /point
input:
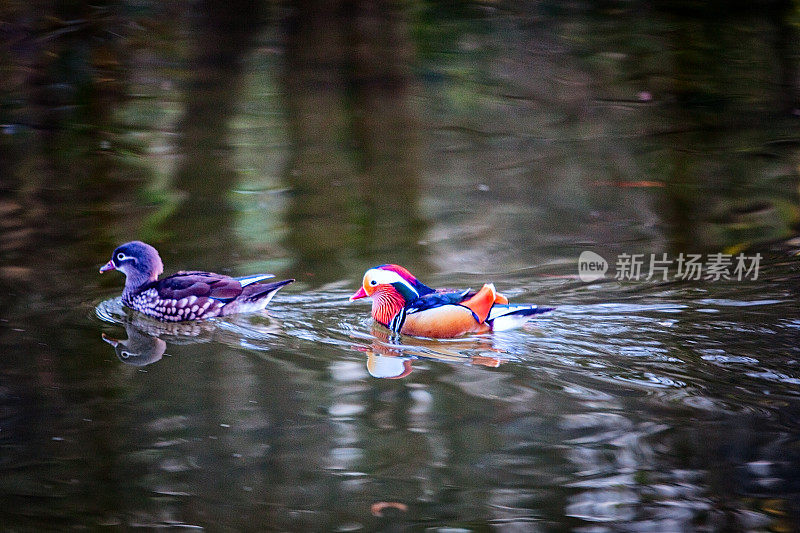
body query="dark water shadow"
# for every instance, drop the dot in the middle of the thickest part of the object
(63, 168)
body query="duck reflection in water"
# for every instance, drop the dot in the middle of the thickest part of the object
(139, 349)
(144, 344)
(148, 339)
(388, 358)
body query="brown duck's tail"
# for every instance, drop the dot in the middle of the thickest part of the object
(260, 291)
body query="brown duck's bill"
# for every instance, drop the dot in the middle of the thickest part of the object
(108, 266)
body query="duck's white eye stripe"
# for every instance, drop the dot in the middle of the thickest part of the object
(122, 257)
(388, 277)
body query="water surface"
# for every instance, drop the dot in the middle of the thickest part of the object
(484, 142)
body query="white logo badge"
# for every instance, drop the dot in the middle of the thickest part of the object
(591, 266)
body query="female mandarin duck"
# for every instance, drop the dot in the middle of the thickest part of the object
(191, 295)
(405, 305)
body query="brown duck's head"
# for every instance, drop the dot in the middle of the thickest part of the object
(139, 261)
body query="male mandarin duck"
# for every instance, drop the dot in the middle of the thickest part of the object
(193, 295)
(405, 305)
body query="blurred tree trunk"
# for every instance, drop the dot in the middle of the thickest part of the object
(318, 172)
(785, 43)
(354, 157)
(224, 34)
(386, 129)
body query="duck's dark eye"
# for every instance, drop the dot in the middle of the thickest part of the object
(120, 256)
(373, 282)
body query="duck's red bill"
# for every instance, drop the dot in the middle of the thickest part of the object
(360, 294)
(108, 266)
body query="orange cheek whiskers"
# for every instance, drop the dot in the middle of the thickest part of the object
(385, 304)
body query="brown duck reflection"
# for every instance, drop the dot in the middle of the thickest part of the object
(144, 344)
(139, 349)
(388, 358)
(148, 339)
(353, 168)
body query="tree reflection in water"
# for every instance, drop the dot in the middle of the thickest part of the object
(353, 168)
(224, 34)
